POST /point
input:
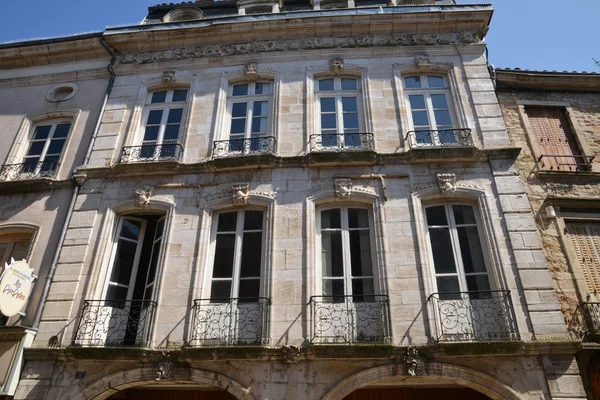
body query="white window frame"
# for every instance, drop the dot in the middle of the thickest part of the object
(42, 157)
(10, 240)
(347, 266)
(167, 105)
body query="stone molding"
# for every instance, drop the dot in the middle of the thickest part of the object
(265, 46)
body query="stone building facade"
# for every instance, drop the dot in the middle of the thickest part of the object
(555, 118)
(300, 200)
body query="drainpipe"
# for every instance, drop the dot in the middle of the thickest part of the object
(63, 232)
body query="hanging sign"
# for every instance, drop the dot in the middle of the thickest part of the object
(15, 287)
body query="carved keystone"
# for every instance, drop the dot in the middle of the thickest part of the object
(447, 184)
(240, 194)
(343, 188)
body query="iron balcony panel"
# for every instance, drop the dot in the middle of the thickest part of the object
(244, 146)
(167, 151)
(342, 142)
(28, 170)
(439, 138)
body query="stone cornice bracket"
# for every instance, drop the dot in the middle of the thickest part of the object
(342, 188)
(336, 65)
(447, 184)
(169, 77)
(143, 196)
(80, 178)
(290, 354)
(251, 72)
(241, 192)
(415, 364)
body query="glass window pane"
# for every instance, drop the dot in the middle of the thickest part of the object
(36, 148)
(56, 146)
(349, 104)
(115, 293)
(240, 90)
(251, 255)
(333, 287)
(436, 215)
(159, 97)
(131, 229)
(220, 290)
(174, 115)
(358, 218)
(439, 101)
(442, 118)
(238, 126)
(360, 253)
(171, 132)
(328, 121)
(153, 262)
(61, 131)
(259, 125)
(224, 250)
(471, 249)
(249, 290)
(351, 121)
(435, 81)
(227, 222)
(478, 283)
(253, 220)
(326, 84)
(448, 284)
(327, 104)
(260, 108)
(331, 253)
(361, 287)
(262, 88)
(464, 214)
(42, 132)
(420, 118)
(412, 82)
(331, 219)
(154, 117)
(3, 248)
(417, 102)
(179, 95)
(151, 133)
(19, 252)
(441, 246)
(349, 84)
(124, 259)
(238, 110)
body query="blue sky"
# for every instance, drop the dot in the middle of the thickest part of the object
(531, 34)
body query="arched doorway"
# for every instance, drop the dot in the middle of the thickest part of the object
(409, 393)
(179, 392)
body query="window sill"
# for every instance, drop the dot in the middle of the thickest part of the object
(548, 174)
(33, 185)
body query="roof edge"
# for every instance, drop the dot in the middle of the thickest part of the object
(57, 39)
(507, 78)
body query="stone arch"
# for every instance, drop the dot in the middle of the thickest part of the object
(442, 373)
(106, 386)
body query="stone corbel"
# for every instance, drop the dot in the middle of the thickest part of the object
(447, 184)
(143, 196)
(240, 192)
(251, 72)
(336, 65)
(290, 354)
(343, 188)
(415, 364)
(80, 178)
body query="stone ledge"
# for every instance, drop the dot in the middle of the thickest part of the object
(34, 185)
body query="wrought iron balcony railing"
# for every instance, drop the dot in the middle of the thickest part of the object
(28, 170)
(167, 151)
(341, 142)
(586, 320)
(106, 323)
(474, 316)
(439, 138)
(230, 322)
(244, 146)
(562, 162)
(350, 319)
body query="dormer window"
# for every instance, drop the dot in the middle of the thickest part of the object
(258, 6)
(184, 13)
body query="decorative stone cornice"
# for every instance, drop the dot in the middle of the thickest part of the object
(265, 46)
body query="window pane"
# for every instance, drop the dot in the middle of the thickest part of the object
(171, 132)
(411, 82)
(349, 84)
(249, 290)
(175, 116)
(439, 101)
(220, 290)
(363, 287)
(124, 259)
(251, 255)
(463, 214)
(441, 246)
(259, 125)
(151, 133)
(61, 130)
(448, 284)
(238, 126)
(442, 118)
(478, 283)
(420, 118)
(326, 84)
(238, 110)
(331, 253)
(333, 287)
(358, 218)
(227, 222)
(179, 95)
(417, 102)
(436, 215)
(351, 121)
(131, 229)
(349, 104)
(153, 262)
(262, 88)
(115, 293)
(224, 250)
(435, 81)
(360, 253)
(470, 249)
(240, 90)
(253, 220)
(36, 148)
(327, 104)
(3, 248)
(56, 146)
(154, 117)
(260, 108)
(42, 132)
(328, 121)
(159, 97)
(331, 219)
(19, 252)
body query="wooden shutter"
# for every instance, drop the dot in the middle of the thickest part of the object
(585, 237)
(555, 140)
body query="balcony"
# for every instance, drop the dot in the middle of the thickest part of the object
(562, 162)
(439, 138)
(230, 322)
(586, 321)
(244, 146)
(167, 151)
(106, 323)
(28, 170)
(341, 142)
(350, 319)
(474, 316)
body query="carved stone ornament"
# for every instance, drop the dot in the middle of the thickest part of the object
(143, 195)
(423, 64)
(447, 184)
(336, 65)
(251, 72)
(163, 371)
(291, 354)
(240, 194)
(266, 46)
(80, 178)
(343, 188)
(415, 364)
(168, 77)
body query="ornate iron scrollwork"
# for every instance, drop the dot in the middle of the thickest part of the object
(440, 138)
(244, 146)
(28, 170)
(341, 142)
(167, 151)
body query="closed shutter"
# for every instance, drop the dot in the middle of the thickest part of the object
(585, 237)
(555, 139)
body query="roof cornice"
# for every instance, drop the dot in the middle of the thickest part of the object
(547, 80)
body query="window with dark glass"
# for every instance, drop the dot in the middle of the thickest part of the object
(162, 130)
(249, 107)
(46, 147)
(339, 115)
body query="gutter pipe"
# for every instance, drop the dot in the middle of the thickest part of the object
(63, 233)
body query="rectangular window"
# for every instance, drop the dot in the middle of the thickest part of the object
(46, 147)
(249, 105)
(585, 238)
